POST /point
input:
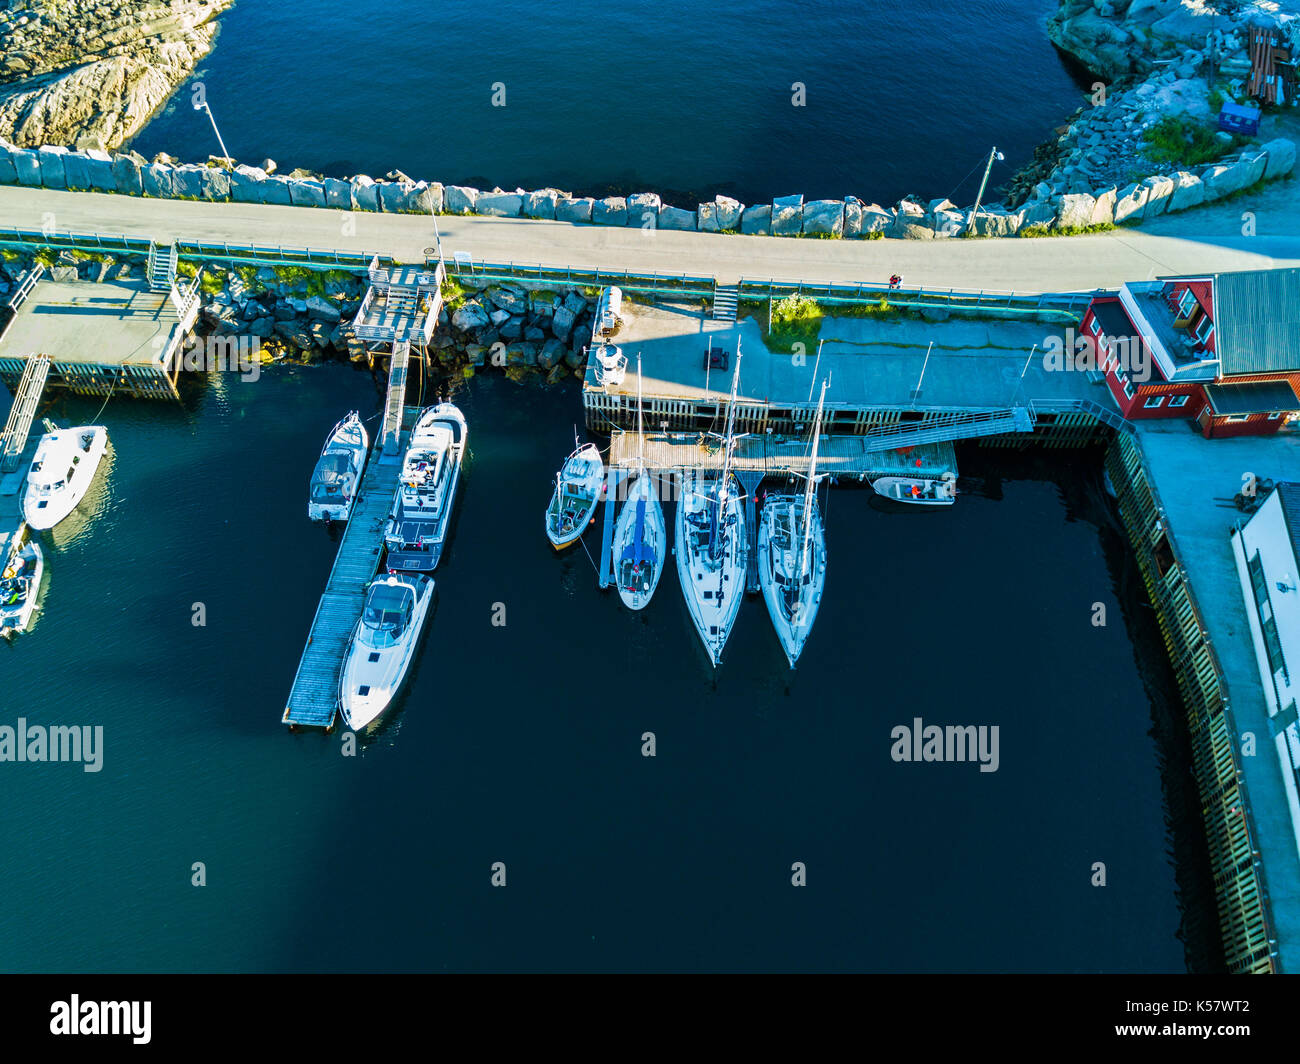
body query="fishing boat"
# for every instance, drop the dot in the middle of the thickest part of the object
(640, 535)
(61, 473)
(383, 645)
(337, 475)
(711, 543)
(426, 493)
(22, 566)
(577, 490)
(792, 556)
(924, 491)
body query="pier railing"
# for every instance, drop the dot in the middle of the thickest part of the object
(233, 254)
(26, 286)
(665, 284)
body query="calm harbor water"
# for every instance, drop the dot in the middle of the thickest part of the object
(683, 99)
(521, 743)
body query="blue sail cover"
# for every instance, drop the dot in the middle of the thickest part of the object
(637, 552)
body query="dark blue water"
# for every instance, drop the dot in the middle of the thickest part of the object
(689, 99)
(522, 743)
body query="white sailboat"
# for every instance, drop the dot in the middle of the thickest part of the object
(426, 494)
(792, 556)
(22, 567)
(711, 543)
(61, 473)
(337, 475)
(640, 535)
(577, 490)
(382, 646)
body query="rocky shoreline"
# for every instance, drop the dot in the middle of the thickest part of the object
(92, 74)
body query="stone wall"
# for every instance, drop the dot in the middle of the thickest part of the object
(1051, 207)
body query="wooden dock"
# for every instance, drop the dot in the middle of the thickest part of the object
(313, 700)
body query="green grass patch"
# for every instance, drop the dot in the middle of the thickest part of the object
(796, 319)
(1177, 140)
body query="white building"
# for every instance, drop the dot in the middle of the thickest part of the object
(1267, 551)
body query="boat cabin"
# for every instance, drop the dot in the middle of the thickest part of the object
(387, 614)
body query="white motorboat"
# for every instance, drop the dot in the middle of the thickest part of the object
(337, 475)
(577, 490)
(382, 646)
(22, 567)
(426, 493)
(924, 491)
(711, 543)
(792, 557)
(640, 534)
(61, 473)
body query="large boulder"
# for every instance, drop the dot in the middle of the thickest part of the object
(522, 353)
(997, 222)
(852, 217)
(1075, 210)
(947, 221)
(643, 210)
(676, 218)
(499, 204)
(459, 199)
(470, 316)
(612, 210)
(551, 353)
(75, 172)
(1188, 191)
(126, 173)
(911, 222)
(787, 218)
(1223, 179)
(1281, 158)
(275, 189)
(338, 193)
(322, 309)
(53, 174)
(427, 197)
(1130, 202)
(1103, 208)
(8, 172)
(99, 170)
(1036, 214)
(573, 209)
(1160, 190)
(757, 221)
(541, 204)
(157, 179)
(706, 218)
(27, 166)
(508, 298)
(875, 219)
(187, 182)
(1257, 164)
(728, 212)
(365, 193)
(400, 197)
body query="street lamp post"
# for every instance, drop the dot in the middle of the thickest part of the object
(994, 154)
(202, 105)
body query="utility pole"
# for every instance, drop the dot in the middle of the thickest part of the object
(994, 154)
(202, 105)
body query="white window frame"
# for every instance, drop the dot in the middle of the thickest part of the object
(1185, 309)
(1128, 388)
(1153, 402)
(1095, 326)
(1178, 400)
(1235, 419)
(1208, 332)
(1275, 415)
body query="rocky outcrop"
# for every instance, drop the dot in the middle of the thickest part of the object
(90, 74)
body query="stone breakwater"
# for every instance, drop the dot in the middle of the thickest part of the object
(91, 73)
(1067, 202)
(300, 316)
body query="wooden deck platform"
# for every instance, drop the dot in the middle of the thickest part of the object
(313, 700)
(777, 455)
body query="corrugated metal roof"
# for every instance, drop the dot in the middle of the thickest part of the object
(1288, 496)
(1263, 397)
(1257, 321)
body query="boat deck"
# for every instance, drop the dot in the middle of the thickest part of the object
(313, 700)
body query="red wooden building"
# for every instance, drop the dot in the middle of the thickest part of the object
(1223, 350)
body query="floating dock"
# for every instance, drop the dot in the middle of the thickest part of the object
(314, 698)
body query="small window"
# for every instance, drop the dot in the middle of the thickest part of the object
(1128, 389)
(1204, 330)
(1275, 415)
(1094, 326)
(1232, 419)
(1186, 302)
(1153, 402)
(1178, 400)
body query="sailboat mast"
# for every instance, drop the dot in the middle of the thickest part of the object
(731, 425)
(811, 486)
(640, 425)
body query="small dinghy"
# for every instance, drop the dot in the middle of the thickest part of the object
(382, 646)
(61, 473)
(421, 516)
(923, 491)
(577, 490)
(337, 475)
(22, 566)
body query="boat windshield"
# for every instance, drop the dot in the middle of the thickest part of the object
(388, 612)
(331, 478)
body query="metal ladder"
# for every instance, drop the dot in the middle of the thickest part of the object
(726, 298)
(23, 412)
(161, 269)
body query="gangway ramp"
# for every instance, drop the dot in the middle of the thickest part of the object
(23, 412)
